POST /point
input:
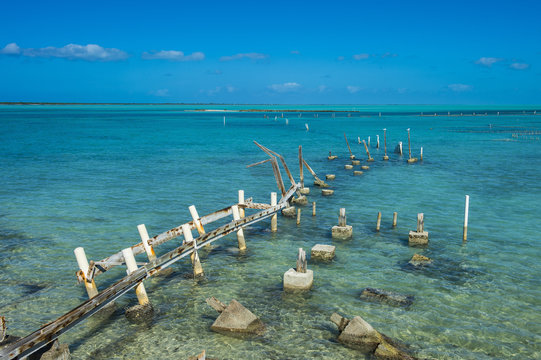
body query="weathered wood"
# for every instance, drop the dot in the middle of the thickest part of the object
(366, 148)
(378, 222)
(216, 304)
(385, 141)
(240, 233)
(314, 208)
(271, 153)
(317, 180)
(196, 221)
(301, 167)
(278, 176)
(420, 222)
(3, 328)
(143, 233)
(298, 216)
(395, 218)
(258, 163)
(409, 143)
(132, 267)
(342, 217)
(301, 261)
(347, 143)
(274, 219)
(241, 203)
(84, 274)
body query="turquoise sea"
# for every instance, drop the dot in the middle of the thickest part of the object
(88, 175)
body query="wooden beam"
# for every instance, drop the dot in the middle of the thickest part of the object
(301, 167)
(258, 163)
(317, 180)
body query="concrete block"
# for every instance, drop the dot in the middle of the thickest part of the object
(323, 252)
(327, 192)
(348, 167)
(305, 191)
(289, 211)
(356, 172)
(294, 280)
(301, 200)
(140, 313)
(355, 162)
(330, 176)
(365, 167)
(332, 157)
(342, 232)
(420, 260)
(418, 238)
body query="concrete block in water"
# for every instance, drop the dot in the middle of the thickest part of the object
(355, 162)
(342, 232)
(385, 157)
(370, 159)
(289, 211)
(330, 176)
(386, 297)
(140, 313)
(332, 157)
(348, 167)
(301, 200)
(235, 318)
(356, 172)
(365, 167)
(327, 192)
(323, 252)
(305, 191)
(412, 160)
(420, 260)
(294, 280)
(418, 238)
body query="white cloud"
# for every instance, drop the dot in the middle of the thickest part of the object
(459, 87)
(321, 88)
(173, 55)
(252, 56)
(219, 89)
(488, 61)
(285, 87)
(519, 66)
(361, 56)
(90, 52)
(11, 49)
(353, 89)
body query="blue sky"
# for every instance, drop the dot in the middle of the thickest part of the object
(365, 52)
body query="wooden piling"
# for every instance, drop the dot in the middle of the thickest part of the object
(194, 256)
(409, 143)
(143, 233)
(301, 167)
(420, 222)
(342, 217)
(196, 221)
(377, 141)
(385, 157)
(240, 232)
(241, 202)
(314, 208)
(421, 153)
(367, 152)
(140, 291)
(378, 222)
(298, 216)
(369, 141)
(301, 261)
(82, 261)
(400, 147)
(274, 218)
(351, 156)
(395, 218)
(466, 214)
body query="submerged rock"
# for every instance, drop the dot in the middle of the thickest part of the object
(387, 297)
(234, 318)
(359, 334)
(57, 352)
(140, 313)
(420, 260)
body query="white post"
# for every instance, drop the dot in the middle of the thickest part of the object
(369, 141)
(359, 139)
(132, 266)
(400, 146)
(298, 216)
(241, 201)
(196, 222)
(143, 233)
(274, 218)
(91, 288)
(240, 232)
(188, 239)
(377, 141)
(421, 153)
(466, 214)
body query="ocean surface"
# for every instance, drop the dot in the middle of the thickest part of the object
(88, 175)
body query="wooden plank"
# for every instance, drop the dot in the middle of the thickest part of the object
(301, 167)
(270, 153)
(278, 176)
(317, 180)
(258, 163)
(347, 143)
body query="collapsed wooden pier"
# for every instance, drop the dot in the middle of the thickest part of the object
(90, 270)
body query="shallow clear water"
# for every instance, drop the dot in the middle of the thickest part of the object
(88, 175)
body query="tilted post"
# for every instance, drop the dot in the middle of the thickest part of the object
(140, 291)
(301, 167)
(378, 223)
(143, 233)
(240, 232)
(188, 239)
(82, 261)
(196, 221)
(274, 218)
